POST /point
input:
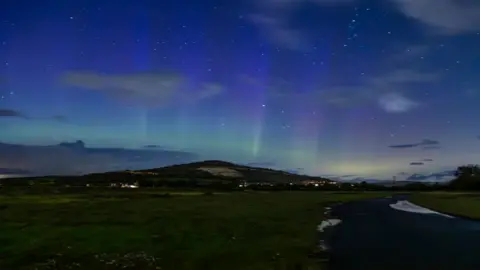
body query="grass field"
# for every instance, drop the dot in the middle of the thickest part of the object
(147, 230)
(460, 204)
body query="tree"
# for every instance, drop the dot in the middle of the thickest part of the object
(468, 171)
(468, 178)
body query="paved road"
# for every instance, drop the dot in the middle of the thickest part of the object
(372, 236)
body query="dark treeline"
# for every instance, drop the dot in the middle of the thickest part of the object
(467, 179)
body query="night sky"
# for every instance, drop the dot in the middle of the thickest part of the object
(340, 88)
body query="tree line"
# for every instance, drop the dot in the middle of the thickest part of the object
(467, 178)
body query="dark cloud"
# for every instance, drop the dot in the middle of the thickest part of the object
(18, 114)
(348, 176)
(11, 113)
(427, 159)
(153, 146)
(439, 176)
(265, 164)
(425, 142)
(416, 163)
(76, 158)
(429, 142)
(404, 145)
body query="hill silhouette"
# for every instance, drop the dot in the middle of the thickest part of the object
(217, 169)
(208, 173)
(205, 172)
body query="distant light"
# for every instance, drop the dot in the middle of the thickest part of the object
(316, 185)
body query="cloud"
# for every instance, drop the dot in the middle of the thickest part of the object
(396, 103)
(272, 19)
(11, 113)
(444, 16)
(153, 146)
(209, 90)
(279, 32)
(429, 142)
(403, 145)
(427, 159)
(155, 89)
(76, 158)
(438, 176)
(265, 164)
(416, 163)
(17, 114)
(403, 76)
(425, 143)
(387, 90)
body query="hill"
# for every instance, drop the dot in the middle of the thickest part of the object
(216, 169)
(213, 173)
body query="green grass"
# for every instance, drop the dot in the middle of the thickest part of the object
(455, 203)
(136, 230)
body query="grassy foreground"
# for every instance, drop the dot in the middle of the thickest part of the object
(460, 204)
(145, 230)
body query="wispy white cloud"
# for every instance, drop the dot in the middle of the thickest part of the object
(272, 19)
(155, 89)
(210, 90)
(445, 16)
(396, 103)
(403, 76)
(279, 32)
(387, 90)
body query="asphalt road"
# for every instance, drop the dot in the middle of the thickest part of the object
(373, 235)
